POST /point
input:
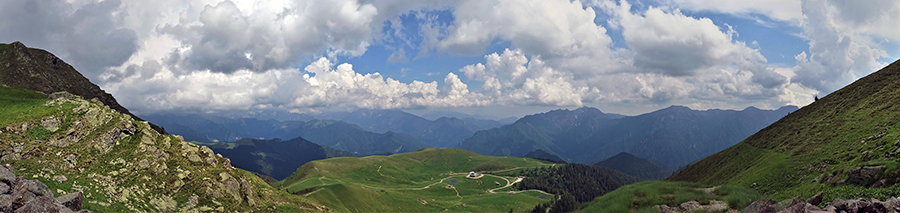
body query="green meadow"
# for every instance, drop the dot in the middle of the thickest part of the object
(421, 181)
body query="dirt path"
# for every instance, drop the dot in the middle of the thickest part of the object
(508, 184)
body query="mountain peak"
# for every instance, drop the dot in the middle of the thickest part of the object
(17, 45)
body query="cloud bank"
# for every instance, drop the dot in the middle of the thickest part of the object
(245, 55)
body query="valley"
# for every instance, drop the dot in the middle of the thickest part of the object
(401, 182)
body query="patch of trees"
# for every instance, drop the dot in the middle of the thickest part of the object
(574, 183)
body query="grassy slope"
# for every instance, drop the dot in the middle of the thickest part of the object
(130, 189)
(781, 157)
(641, 197)
(355, 184)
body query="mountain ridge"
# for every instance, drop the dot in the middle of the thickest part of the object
(587, 135)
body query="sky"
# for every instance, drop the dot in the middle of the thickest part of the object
(498, 57)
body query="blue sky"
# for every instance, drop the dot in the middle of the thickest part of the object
(499, 57)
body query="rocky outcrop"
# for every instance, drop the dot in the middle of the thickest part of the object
(798, 205)
(21, 195)
(692, 206)
(862, 175)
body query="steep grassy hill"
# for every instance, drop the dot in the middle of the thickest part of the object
(635, 166)
(843, 143)
(121, 164)
(356, 184)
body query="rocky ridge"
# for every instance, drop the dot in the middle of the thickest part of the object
(122, 164)
(799, 205)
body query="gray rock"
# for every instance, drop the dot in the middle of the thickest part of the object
(4, 188)
(71, 201)
(72, 159)
(761, 206)
(662, 209)
(892, 203)
(248, 191)
(38, 188)
(227, 164)
(50, 123)
(107, 140)
(789, 202)
(815, 200)
(39, 205)
(7, 176)
(62, 94)
(144, 164)
(861, 175)
(796, 208)
(6, 203)
(879, 206)
(232, 186)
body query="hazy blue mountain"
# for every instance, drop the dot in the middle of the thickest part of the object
(676, 135)
(352, 138)
(635, 166)
(279, 115)
(442, 132)
(434, 115)
(335, 134)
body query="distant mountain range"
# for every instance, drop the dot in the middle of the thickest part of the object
(675, 135)
(406, 129)
(441, 132)
(335, 134)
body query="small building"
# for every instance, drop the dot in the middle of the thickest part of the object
(473, 174)
(496, 183)
(511, 192)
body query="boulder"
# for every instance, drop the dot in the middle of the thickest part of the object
(761, 206)
(4, 188)
(796, 208)
(71, 201)
(815, 200)
(789, 202)
(231, 186)
(50, 123)
(39, 205)
(862, 175)
(6, 203)
(7, 176)
(662, 209)
(690, 206)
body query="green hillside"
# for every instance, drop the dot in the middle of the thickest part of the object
(356, 184)
(121, 164)
(635, 166)
(844, 143)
